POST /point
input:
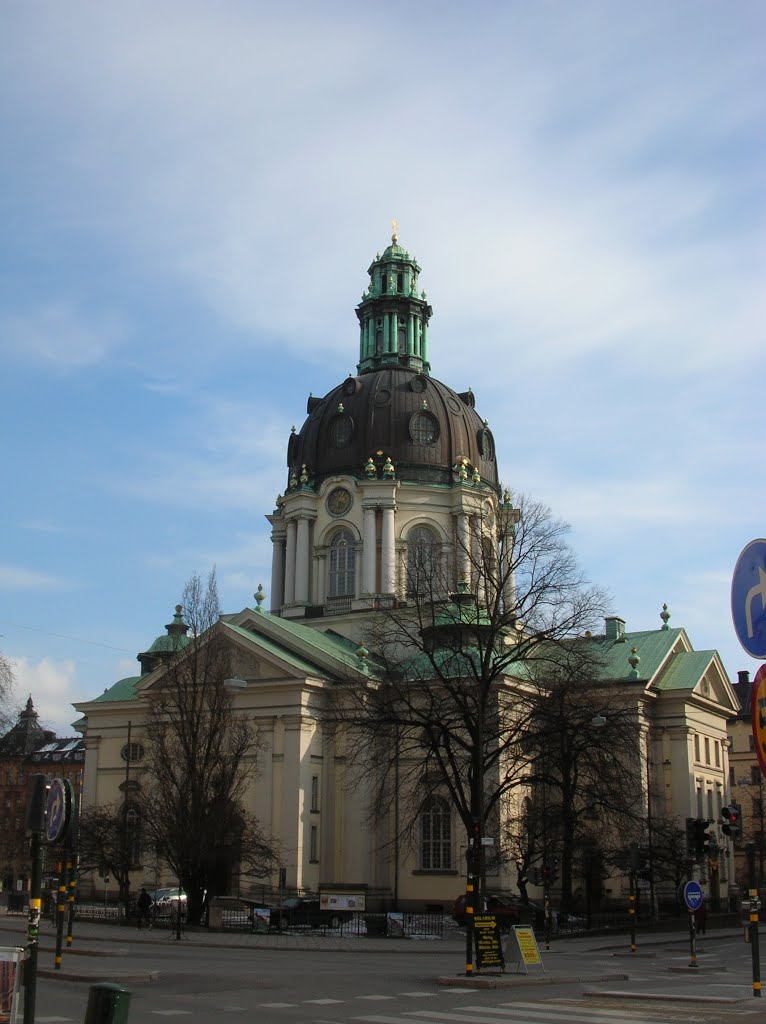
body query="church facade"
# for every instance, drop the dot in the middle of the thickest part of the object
(391, 480)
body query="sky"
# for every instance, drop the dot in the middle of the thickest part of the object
(192, 194)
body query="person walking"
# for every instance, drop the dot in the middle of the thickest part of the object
(145, 903)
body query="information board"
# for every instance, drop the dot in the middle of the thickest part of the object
(529, 951)
(486, 940)
(11, 959)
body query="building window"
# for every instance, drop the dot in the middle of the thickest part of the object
(436, 835)
(751, 740)
(696, 748)
(732, 776)
(757, 808)
(710, 807)
(341, 430)
(314, 792)
(133, 834)
(699, 801)
(132, 753)
(314, 844)
(342, 575)
(422, 560)
(755, 776)
(424, 428)
(707, 750)
(717, 754)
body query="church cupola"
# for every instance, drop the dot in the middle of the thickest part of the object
(393, 318)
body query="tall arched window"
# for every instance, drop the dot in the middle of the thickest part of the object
(342, 575)
(422, 561)
(435, 835)
(132, 814)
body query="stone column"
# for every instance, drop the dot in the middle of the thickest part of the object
(388, 553)
(302, 562)
(290, 562)
(277, 572)
(369, 552)
(463, 549)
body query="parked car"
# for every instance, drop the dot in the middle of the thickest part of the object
(510, 910)
(166, 901)
(305, 911)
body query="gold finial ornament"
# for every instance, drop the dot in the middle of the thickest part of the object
(395, 229)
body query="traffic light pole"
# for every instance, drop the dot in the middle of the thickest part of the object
(754, 907)
(692, 929)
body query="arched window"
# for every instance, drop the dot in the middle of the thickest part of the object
(132, 814)
(422, 561)
(342, 575)
(435, 835)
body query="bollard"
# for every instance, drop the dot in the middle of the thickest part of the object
(107, 1004)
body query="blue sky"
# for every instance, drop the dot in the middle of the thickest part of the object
(192, 193)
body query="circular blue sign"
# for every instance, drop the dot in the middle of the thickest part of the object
(58, 810)
(693, 895)
(748, 598)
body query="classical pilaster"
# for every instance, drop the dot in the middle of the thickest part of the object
(388, 553)
(369, 552)
(302, 562)
(290, 551)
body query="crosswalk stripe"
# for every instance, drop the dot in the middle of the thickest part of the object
(554, 1011)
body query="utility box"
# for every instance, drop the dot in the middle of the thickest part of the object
(107, 1004)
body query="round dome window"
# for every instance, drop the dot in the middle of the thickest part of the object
(486, 445)
(424, 428)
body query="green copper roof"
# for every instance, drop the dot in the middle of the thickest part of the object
(123, 689)
(652, 646)
(323, 644)
(685, 670)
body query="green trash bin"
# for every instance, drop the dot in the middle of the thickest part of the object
(107, 1004)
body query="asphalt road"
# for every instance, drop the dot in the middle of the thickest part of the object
(207, 983)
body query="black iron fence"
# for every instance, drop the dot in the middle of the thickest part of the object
(340, 924)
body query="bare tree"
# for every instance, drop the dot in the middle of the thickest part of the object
(110, 842)
(7, 709)
(200, 758)
(449, 701)
(583, 747)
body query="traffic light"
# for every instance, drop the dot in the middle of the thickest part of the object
(691, 836)
(702, 838)
(476, 831)
(732, 816)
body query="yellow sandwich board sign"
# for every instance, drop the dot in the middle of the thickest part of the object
(529, 952)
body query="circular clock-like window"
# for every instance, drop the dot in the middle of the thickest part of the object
(418, 384)
(424, 428)
(486, 445)
(341, 429)
(339, 501)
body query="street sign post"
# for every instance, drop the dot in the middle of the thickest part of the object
(748, 598)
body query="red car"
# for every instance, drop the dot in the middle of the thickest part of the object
(510, 910)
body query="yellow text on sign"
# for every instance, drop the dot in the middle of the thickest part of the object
(528, 949)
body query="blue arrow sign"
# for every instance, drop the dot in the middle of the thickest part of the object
(693, 895)
(748, 598)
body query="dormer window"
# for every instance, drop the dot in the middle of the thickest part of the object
(341, 429)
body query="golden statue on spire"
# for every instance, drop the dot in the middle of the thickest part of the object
(395, 228)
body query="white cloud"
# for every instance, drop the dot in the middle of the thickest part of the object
(52, 686)
(60, 336)
(19, 578)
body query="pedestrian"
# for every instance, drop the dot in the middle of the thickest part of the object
(145, 903)
(700, 918)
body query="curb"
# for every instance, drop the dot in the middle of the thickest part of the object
(95, 976)
(515, 980)
(670, 997)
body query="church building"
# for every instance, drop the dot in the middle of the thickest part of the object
(387, 478)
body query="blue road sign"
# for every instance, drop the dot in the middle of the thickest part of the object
(748, 598)
(693, 895)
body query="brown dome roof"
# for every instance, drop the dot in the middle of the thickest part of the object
(422, 425)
